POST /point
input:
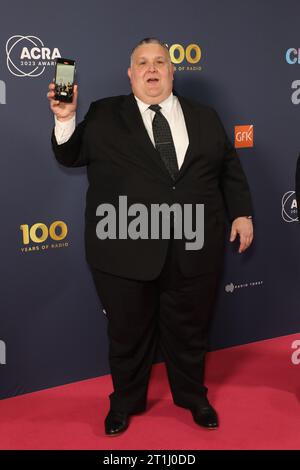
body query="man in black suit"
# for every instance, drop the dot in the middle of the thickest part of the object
(155, 147)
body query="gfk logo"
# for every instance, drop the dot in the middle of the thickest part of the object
(243, 136)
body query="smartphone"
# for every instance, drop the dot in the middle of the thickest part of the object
(64, 80)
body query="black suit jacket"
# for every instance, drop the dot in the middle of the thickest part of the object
(121, 160)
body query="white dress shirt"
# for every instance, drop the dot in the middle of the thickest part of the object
(172, 111)
(170, 108)
(64, 129)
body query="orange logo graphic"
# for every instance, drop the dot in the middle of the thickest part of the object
(243, 136)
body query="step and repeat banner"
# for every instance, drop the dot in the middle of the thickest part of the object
(241, 58)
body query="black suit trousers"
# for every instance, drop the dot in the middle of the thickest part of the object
(172, 311)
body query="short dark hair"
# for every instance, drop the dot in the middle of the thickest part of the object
(149, 41)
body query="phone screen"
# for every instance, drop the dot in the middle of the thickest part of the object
(64, 80)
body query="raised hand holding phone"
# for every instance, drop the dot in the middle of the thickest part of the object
(62, 93)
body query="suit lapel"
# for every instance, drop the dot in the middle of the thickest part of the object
(193, 127)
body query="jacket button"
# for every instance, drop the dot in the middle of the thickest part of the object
(173, 187)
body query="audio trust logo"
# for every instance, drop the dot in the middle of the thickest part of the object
(27, 56)
(289, 211)
(230, 288)
(2, 352)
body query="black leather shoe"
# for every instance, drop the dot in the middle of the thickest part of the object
(206, 416)
(116, 422)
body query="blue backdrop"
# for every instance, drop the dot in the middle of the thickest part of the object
(245, 62)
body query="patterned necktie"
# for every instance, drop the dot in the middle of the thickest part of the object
(164, 141)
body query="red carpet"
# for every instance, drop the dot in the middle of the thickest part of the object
(255, 388)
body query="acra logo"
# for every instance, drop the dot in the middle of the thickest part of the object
(27, 56)
(289, 211)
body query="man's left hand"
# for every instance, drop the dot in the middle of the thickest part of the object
(243, 227)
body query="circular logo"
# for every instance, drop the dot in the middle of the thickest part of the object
(289, 207)
(17, 40)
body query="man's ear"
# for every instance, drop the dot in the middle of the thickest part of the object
(129, 73)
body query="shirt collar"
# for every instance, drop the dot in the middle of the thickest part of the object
(165, 105)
